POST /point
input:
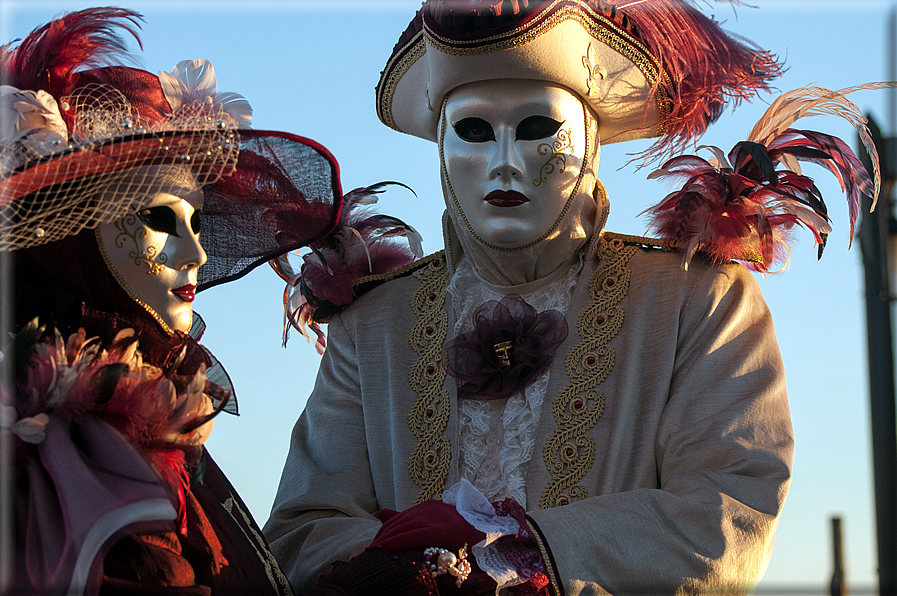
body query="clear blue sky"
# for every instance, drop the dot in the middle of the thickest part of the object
(310, 68)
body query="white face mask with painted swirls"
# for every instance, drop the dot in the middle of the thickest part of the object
(518, 168)
(155, 252)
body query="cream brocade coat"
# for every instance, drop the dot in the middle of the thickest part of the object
(662, 457)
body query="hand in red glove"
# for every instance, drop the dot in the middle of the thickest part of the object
(431, 523)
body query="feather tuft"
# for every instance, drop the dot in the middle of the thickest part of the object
(709, 68)
(364, 243)
(165, 415)
(743, 207)
(47, 57)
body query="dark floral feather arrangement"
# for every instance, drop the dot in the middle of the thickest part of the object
(364, 243)
(743, 206)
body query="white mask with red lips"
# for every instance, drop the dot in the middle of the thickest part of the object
(518, 171)
(155, 252)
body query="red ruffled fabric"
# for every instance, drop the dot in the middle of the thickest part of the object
(522, 551)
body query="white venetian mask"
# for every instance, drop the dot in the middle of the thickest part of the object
(155, 253)
(512, 155)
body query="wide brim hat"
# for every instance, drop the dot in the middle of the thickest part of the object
(89, 159)
(646, 68)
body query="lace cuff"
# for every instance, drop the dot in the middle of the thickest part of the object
(514, 553)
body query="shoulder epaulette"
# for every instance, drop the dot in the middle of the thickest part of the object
(643, 241)
(368, 283)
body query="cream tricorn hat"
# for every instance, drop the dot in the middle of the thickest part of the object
(647, 68)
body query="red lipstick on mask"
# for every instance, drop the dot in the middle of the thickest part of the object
(506, 198)
(186, 293)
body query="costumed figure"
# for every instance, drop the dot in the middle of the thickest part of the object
(546, 407)
(107, 174)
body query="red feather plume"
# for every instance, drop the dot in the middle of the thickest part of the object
(47, 57)
(708, 67)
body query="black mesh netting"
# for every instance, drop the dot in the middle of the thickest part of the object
(284, 194)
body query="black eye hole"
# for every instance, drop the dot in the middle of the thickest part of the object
(196, 221)
(160, 219)
(534, 128)
(474, 130)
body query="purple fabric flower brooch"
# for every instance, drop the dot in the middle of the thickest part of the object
(509, 346)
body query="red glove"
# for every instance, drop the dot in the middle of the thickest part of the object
(431, 523)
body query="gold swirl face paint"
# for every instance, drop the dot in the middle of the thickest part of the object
(155, 252)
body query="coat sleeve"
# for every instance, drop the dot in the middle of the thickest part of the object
(723, 454)
(325, 506)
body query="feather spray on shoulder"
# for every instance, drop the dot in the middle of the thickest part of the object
(743, 206)
(364, 243)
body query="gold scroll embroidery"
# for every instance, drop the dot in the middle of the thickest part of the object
(569, 452)
(121, 281)
(428, 419)
(129, 229)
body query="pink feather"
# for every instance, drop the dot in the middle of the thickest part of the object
(364, 243)
(763, 194)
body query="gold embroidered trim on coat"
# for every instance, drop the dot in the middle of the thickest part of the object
(398, 272)
(428, 419)
(643, 241)
(549, 568)
(570, 452)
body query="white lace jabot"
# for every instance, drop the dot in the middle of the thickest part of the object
(497, 436)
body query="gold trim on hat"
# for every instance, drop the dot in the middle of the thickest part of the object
(609, 34)
(401, 62)
(597, 25)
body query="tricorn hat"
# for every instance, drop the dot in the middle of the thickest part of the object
(647, 68)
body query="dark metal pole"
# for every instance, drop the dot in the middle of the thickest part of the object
(891, 61)
(837, 588)
(873, 234)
